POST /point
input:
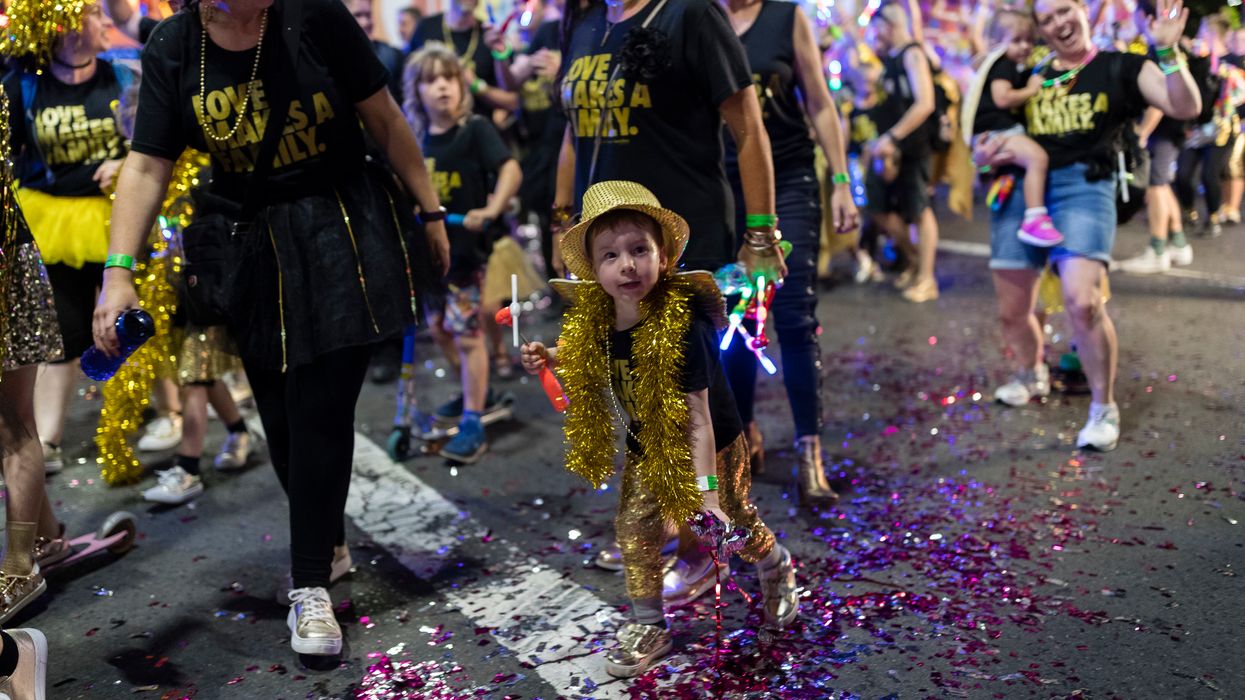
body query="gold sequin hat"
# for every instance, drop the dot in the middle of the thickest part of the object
(613, 195)
(35, 25)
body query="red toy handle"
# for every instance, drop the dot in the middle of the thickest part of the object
(548, 381)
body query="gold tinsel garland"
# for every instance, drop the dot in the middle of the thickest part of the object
(129, 390)
(8, 219)
(658, 354)
(35, 25)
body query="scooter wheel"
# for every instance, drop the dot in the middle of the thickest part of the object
(399, 446)
(120, 521)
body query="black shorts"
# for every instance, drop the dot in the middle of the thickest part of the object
(1163, 155)
(907, 196)
(74, 292)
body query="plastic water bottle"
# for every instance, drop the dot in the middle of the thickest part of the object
(134, 327)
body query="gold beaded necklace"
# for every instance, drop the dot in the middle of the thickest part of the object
(246, 96)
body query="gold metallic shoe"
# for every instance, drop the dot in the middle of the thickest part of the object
(812, 474)
(921, 292)
(313, 627)
(609, 557)
(16, 592)
(684, 582)
(29, 679)
(778, 593)
(638, 647)
(905, 279)
(48, 552)
(756, 448)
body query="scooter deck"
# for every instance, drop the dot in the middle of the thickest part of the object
(439, 434)
(116, 535)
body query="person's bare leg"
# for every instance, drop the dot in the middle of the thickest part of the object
(194, 420)
(926, 244)
(1157, 214)
(1032, 157)
(53, 386)
(168, 397)
(1096, 342)
(475, 369)
(226, 408)
(1017, 291)
(23, 469)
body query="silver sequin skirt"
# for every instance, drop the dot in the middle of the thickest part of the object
(31, 334)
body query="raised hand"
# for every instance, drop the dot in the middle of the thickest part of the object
(1167, 24)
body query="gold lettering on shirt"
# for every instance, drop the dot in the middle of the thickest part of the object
(766, 91)
(67, 136)
(863, 129)
(626, 386)
(1054, 112)
(217, 113)
(445, 181)
(598, 104)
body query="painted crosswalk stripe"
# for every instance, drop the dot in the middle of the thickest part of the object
(536, 612)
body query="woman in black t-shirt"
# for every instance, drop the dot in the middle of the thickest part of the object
(646, 85)
(67, 149)
(898, 191)
(325, 254)
(786, 71)
(1087, 99)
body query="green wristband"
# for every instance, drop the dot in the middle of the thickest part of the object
(1162, 51)
(761, 220)
(840, 179)
(477, 86)
(504, 54)
(125, 261)
(707, 483)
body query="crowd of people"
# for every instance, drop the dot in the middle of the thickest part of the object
(650, 142)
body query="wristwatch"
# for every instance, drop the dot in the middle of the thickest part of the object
(427, 217)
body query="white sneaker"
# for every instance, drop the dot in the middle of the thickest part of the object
(866, 269)
(1182, 255)
(163, 433)
(342, 564)
(53, 459)
(234, 453)
(1025, 386)
(1102, 430)
(175, 486)
(313, 628)
(1149, 262)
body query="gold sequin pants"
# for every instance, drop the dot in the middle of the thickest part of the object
(641, 530)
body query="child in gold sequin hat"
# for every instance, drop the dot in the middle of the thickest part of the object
(639, 341)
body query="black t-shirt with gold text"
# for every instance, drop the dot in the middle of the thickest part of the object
(664, 133)
(862, 127)
(536, 106)
(702, 369)
(991, 117)
(73, 131)
(1077, 123)
(322, 141)
(463, 163)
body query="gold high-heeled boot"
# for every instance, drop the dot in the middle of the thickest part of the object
(814, 487)
(756, 448)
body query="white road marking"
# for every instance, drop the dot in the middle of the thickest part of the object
(536, 612)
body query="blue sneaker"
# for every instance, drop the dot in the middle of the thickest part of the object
(452, 411)
(469, 444)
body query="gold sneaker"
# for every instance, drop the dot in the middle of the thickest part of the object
(313, 627)
(29, 679)
(683, 582)
(16, 592)
(638, 647)
(778, 593)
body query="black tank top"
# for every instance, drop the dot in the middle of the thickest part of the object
(771, 54)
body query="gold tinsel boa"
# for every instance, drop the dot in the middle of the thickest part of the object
(658, 355)
(129, 390)
(35, 25)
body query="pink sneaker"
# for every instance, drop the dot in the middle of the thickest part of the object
(1040, 231)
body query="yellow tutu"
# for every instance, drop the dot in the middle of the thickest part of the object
(70, 231)
(507, 259)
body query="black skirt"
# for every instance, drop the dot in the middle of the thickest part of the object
(346, 266)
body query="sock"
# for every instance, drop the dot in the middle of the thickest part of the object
(8, 655)
(1178, 239)
(1159, 245)
(1034, 212)
(189, 464)
(470, 423)
(239, 427)
(773, 559)
(648, 611)
(18, 555)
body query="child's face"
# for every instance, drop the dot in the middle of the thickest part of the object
(441, 95)
(1019, 44)
(627, 261)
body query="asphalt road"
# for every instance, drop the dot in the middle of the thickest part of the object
(976, 553)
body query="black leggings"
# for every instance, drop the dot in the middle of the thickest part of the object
(308, 415)
(1213, 159)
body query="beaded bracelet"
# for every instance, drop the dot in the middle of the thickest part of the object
(115, 260)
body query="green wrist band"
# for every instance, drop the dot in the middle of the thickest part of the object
(761, 220)
(1170, 69)
(504, 54)
(477, 85)
(125, 261)
(1162, 51)
(840, 179)
(707, 483)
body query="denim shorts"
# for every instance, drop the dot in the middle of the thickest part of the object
(1084, 212)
